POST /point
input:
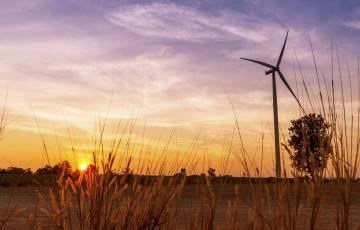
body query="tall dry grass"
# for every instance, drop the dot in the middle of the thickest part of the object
(9, 210)
(100, 199)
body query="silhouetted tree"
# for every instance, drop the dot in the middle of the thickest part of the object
(211, 172)
(15, 170)
(311, 143)
(183, 171)
(56, 169)
(46, 170)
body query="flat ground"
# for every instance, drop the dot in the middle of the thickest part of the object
(27, 197)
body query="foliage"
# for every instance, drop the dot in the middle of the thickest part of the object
(311, 142)
(54, 170)
(15, 170)
(211, 172)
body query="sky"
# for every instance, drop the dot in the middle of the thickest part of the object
(173, 66)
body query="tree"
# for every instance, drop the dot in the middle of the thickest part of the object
(46, 170)
(310, 140)
(15, 170)
(56, 169)
(211, 172)
(183, 171)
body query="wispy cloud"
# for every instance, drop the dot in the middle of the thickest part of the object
(178, 22)
(169, 61)
(355, 24)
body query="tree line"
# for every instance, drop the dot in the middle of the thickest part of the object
(46, 170)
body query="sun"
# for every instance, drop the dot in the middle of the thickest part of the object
(83, 167)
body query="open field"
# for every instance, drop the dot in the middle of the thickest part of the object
(153, 115)
(27, 197)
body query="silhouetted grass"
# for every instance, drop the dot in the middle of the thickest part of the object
(101, 199)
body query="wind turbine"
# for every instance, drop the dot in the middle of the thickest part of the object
(273, 70)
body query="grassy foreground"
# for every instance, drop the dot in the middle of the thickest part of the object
(100, 199)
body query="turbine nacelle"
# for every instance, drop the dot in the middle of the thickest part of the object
(270, 71)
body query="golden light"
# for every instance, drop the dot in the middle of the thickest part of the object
(83, 167)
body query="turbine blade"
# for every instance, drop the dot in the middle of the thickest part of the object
(259, 62)
(282, 51)
(289, 88)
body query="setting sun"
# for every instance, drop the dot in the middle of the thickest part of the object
(172, 114)
(83, 166)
